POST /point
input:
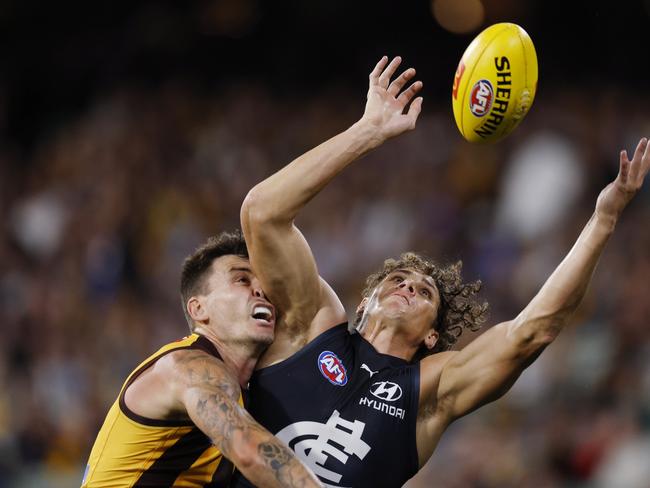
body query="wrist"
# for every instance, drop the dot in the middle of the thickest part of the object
(606, 221)
(367, 133)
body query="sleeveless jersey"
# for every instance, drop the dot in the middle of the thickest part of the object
(135, 451)
(347, 411)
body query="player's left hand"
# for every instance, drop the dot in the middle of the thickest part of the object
(387, 100)
(613, 199)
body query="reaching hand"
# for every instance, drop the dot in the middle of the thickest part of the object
(385, 105)
(613, 199)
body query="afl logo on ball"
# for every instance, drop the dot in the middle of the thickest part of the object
(481, 97)
(331, 367)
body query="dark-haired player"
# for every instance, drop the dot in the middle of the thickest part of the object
(180, 414)
(359, 409)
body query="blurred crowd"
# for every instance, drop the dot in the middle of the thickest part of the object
(99, 215)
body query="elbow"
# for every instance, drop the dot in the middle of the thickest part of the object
(258, 210)
(250, 457)
(533, 336)
(244, 456)
(544, 337)
(251, 207)
(253, 214)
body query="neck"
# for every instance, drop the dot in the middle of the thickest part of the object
(386, 339)
(240, 358)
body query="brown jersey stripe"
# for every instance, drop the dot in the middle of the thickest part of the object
(178, 458)
(205, 345)
(151, 422)
(201, 344)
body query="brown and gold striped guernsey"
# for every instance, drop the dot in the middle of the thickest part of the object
(134, 451)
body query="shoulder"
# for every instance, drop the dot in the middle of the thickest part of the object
(330, 312)
(158, 390)
(295, 330)
(436, 362)
(195, 368)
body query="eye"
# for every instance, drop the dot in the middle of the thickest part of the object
(397, 279)
(426, 292)
(243, 279)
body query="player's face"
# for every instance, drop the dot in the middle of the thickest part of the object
(236, 304)
(410, 300)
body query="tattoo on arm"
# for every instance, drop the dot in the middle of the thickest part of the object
(286, 467)
(212, 403)
(274, 455)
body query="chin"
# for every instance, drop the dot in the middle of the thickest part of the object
(395, 311)
(263, 339)
(396, 318)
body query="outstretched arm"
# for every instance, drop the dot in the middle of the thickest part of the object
(209, 394)
(487, 367)
(279, 253)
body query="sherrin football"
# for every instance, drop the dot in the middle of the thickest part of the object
(495, 83)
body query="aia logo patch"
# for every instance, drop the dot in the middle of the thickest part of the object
(481, 97)
(332, 368)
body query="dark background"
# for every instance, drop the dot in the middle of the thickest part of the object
(58, 56)
(131, 131)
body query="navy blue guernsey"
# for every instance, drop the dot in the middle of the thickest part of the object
(347, 411)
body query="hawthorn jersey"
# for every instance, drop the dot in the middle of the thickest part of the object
(134, 451)
(347, 411)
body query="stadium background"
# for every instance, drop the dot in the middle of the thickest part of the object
(130, 131)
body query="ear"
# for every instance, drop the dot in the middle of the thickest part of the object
(196, 310)
(431, 338)
(362, 305)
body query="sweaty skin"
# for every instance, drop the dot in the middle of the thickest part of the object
(452, 383)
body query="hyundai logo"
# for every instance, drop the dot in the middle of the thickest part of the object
(386, 390)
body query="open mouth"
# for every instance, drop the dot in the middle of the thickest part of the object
(403, 297)
(263, 314)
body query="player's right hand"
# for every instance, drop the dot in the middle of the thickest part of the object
(387, 100)
(613, 199)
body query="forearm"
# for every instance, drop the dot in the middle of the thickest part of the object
(260, 456)
(390, 110)
(552, 307)
(275, 465)
(487, 367)
(282, 195)
(210, 396)
(550, 310)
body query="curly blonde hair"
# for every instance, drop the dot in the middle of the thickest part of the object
(458, 310)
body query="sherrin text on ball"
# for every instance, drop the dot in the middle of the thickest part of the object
(495, 83)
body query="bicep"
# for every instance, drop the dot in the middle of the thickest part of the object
(484, 370)
(286, 268)
(220, 416)
(284, 263)
(210, 395)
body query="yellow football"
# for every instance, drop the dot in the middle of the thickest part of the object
(495, 83)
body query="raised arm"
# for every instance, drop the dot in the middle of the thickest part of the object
(278, 252)
(209, 394)
(487, 367)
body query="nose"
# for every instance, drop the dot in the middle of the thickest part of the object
(407, 284)
(257, 291)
